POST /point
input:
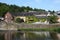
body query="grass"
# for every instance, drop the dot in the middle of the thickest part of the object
(40, 29)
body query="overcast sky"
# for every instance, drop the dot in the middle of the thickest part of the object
(43, 4)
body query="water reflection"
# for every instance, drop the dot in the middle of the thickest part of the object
(31, 35)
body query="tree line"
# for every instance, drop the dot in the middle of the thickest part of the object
(14, 8)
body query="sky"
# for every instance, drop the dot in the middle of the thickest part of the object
(40, 4)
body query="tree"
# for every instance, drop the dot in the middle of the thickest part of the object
(3, 9)
(51, 12)
(35, 9)
(52, 19)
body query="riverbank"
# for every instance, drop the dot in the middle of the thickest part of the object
(32, 27)
(40, 29)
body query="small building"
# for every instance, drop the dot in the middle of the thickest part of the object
(8, 17)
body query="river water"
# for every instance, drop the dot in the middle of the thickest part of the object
(32, 35)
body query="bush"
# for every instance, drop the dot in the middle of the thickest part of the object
(42, 19)
(32, 19)
(52, 19)
(18, 20)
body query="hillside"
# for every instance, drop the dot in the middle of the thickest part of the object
(14, 8)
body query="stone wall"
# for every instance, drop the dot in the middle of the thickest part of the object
(14, 26)
(38, 25)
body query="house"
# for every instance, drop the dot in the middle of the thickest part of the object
(43, 17)
(10, 16)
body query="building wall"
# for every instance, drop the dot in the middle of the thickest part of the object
(8, 17)
(58, 20)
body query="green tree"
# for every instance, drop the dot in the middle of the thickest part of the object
(51, 12)
(52, 19)
(3, 9)
(32, 19)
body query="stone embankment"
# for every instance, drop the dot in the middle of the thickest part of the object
(15, 26)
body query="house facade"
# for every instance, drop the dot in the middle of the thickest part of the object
(23, 15)
(8, 17)
(11, 15)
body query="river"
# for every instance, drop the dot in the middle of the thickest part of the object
(28, 35)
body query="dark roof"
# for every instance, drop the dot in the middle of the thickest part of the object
(26, 13)
(21, 14)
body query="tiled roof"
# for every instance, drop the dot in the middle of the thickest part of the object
(27, 13)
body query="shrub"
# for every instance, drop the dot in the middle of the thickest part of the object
(18, 20)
